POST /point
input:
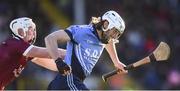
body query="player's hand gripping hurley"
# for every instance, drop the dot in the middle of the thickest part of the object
(161, 53)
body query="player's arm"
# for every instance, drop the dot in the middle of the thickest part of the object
(42, 58)
(46, 63)
(51, 42)
(111, 49)
(41, 52)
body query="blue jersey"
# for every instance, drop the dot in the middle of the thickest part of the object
(87, 46)
(83, 52)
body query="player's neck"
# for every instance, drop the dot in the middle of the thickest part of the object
(99, 33)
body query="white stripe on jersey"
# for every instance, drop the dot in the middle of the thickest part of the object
(70, 82)
(27, 50)
(78, 47)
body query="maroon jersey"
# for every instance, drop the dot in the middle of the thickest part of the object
(12, 61)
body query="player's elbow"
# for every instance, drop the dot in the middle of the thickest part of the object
(48, 39)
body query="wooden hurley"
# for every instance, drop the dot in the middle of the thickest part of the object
(161, 53)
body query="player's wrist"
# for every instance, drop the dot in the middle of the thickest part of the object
(60, 63)
(62, 66)
(119, 63)
(58, 59)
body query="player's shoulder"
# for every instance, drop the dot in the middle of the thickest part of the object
(13, 41)
(81, 27)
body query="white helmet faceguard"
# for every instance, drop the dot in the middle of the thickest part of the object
(115, 21)
(24, 23)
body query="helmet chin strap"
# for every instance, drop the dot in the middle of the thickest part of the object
(33, 40)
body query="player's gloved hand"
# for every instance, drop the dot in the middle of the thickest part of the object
(63, 68)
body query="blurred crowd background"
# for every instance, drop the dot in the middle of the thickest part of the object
(147, 23)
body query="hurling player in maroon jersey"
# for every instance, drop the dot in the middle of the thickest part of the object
(18, 49)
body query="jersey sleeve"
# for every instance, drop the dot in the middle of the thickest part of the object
(24, 47)
(72, 31)
(27, 50)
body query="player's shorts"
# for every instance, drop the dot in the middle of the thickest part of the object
(74, 81)
(69, 82)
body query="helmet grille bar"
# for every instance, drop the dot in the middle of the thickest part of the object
(13, 23)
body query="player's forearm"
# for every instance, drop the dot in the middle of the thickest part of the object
(112, 52)
(46, 63)
(52, 46)
(52, 41)
(42, 52)
(62, 52)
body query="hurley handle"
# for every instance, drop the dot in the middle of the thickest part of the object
(114, 72)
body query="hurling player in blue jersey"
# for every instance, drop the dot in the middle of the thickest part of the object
(85, 44)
